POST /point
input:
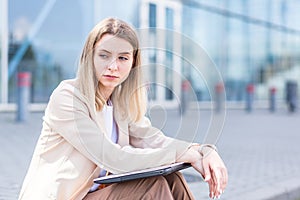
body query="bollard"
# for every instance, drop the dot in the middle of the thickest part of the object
(272, 99)
(24, 83)
(219, 92)
(184, 97)
(291, 95)
(249, 97)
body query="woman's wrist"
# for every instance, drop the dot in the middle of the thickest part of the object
(203, 149)
(190, 156)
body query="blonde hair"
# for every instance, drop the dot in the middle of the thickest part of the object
(129, 97)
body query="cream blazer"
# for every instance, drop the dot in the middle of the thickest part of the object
(73, 147)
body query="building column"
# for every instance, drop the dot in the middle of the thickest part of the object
(4, 52)
(160, 48)
(161, 56)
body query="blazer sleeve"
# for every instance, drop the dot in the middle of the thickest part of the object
(69, 115)
(144, 135)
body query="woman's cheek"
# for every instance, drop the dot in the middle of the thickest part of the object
(125, 76)
(99, 71)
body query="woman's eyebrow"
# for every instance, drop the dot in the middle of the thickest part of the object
(122, 53)
(103, 50)
(126, 53)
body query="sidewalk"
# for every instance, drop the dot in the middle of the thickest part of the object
(260, 149)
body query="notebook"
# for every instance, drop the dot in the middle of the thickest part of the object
(156, 171)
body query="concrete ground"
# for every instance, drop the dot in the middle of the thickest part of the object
(260, 149)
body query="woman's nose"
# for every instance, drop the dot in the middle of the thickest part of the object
(113, 65)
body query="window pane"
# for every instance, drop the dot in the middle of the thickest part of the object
(56, 33)
(45, 41)
(152, 15)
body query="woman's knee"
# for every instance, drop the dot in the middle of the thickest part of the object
(178, 186)
(160, 181)
(174, 177)
(158, 188)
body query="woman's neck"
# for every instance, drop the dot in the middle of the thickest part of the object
(105, 93)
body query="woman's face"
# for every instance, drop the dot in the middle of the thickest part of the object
(113, 58)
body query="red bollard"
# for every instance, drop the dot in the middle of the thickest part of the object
(249, 97)
(219, 90)
(24, 83)
(184, 96)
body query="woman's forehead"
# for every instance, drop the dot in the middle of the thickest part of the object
(112, 43)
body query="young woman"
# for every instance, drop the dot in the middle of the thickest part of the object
(95, 124)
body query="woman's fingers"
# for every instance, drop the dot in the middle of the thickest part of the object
(220, 179)
(224, 179)
(211, 188)
(206, 169)
(215, 174)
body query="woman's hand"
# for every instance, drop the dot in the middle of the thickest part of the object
(214, 172)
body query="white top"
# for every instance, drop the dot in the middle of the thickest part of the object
(110, 124)
(112, 131)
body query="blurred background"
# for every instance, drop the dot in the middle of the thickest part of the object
(254, 44)
(198, 51)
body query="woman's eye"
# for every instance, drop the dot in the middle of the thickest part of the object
(103, 56)
(123, 58)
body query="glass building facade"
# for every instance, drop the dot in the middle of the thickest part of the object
(250, 42)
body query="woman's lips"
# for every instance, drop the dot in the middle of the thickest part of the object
(110, 76)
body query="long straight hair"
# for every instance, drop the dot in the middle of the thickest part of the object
(129, 98)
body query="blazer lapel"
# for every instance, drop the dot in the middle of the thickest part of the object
(100, 121)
